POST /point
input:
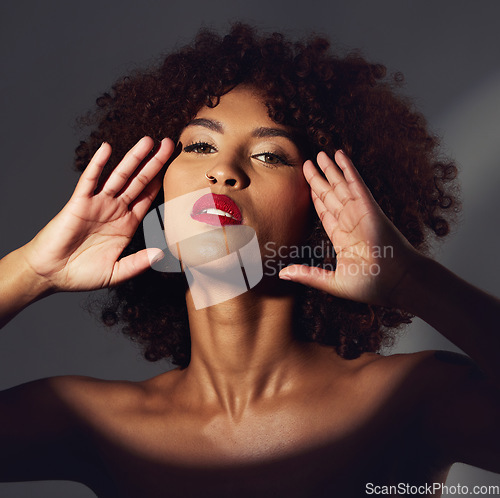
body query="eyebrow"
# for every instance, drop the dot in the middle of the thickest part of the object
(207, 123)
(261, 132)
(264, 132)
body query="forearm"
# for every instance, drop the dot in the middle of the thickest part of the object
(464, 314)
(19, 286)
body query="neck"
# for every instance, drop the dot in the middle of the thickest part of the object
(244, 350)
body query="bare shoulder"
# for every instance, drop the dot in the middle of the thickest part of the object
(447, 363)
(45, 426)
(424, 374)
(91, 398)
(79, 391)
(54, 428)
(64, 394)
(458, 405)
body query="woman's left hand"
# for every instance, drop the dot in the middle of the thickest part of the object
(372, 255)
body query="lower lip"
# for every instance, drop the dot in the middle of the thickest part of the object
(214, 219)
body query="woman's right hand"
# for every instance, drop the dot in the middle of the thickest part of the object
(79, 249)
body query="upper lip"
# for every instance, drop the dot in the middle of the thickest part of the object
(217, 201)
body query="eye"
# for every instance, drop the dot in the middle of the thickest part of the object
(272, 159)
(200, 148)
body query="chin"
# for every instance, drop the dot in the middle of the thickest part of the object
(221, 264)
(208, 246)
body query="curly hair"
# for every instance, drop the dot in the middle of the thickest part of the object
(334, 102)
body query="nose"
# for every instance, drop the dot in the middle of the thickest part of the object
(227, 175)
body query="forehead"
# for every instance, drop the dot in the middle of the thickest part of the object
(243, 108)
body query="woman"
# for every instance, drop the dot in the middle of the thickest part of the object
(279, 389)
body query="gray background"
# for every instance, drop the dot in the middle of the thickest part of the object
(57, 57)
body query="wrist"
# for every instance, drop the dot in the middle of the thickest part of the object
(414, 284)
(19, 285)
(34, 284)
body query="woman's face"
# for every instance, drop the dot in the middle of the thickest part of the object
(249, 159)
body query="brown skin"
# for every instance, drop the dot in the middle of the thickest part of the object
(255, 411)
(237, 362)
(403, 418)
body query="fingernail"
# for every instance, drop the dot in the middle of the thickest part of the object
(284, 277)
(157, 258)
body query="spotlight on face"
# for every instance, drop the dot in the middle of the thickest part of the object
(220, 260)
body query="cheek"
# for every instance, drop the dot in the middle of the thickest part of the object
(177, 181)
(168, 186)
(298, 200)
(290, 211)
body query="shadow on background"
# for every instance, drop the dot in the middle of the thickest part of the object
(57, 57)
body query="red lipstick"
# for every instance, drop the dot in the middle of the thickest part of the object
(217, 210)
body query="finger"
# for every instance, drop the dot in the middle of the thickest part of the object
(141, 204)
(329, 195)
(329, 220)
(332, 172)
(121, 174)
(351, 174)
(335, 205)
(133, 265)
(335, 177)
(311, 276)
(142, 178)
(90, 177)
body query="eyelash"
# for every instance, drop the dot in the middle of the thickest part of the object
(282, 159)
(192, 147)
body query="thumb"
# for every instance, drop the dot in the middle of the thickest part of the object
(312, 276)
(135, 264)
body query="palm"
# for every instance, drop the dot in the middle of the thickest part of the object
(80, 247)
(98, 233)
(372, 255)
